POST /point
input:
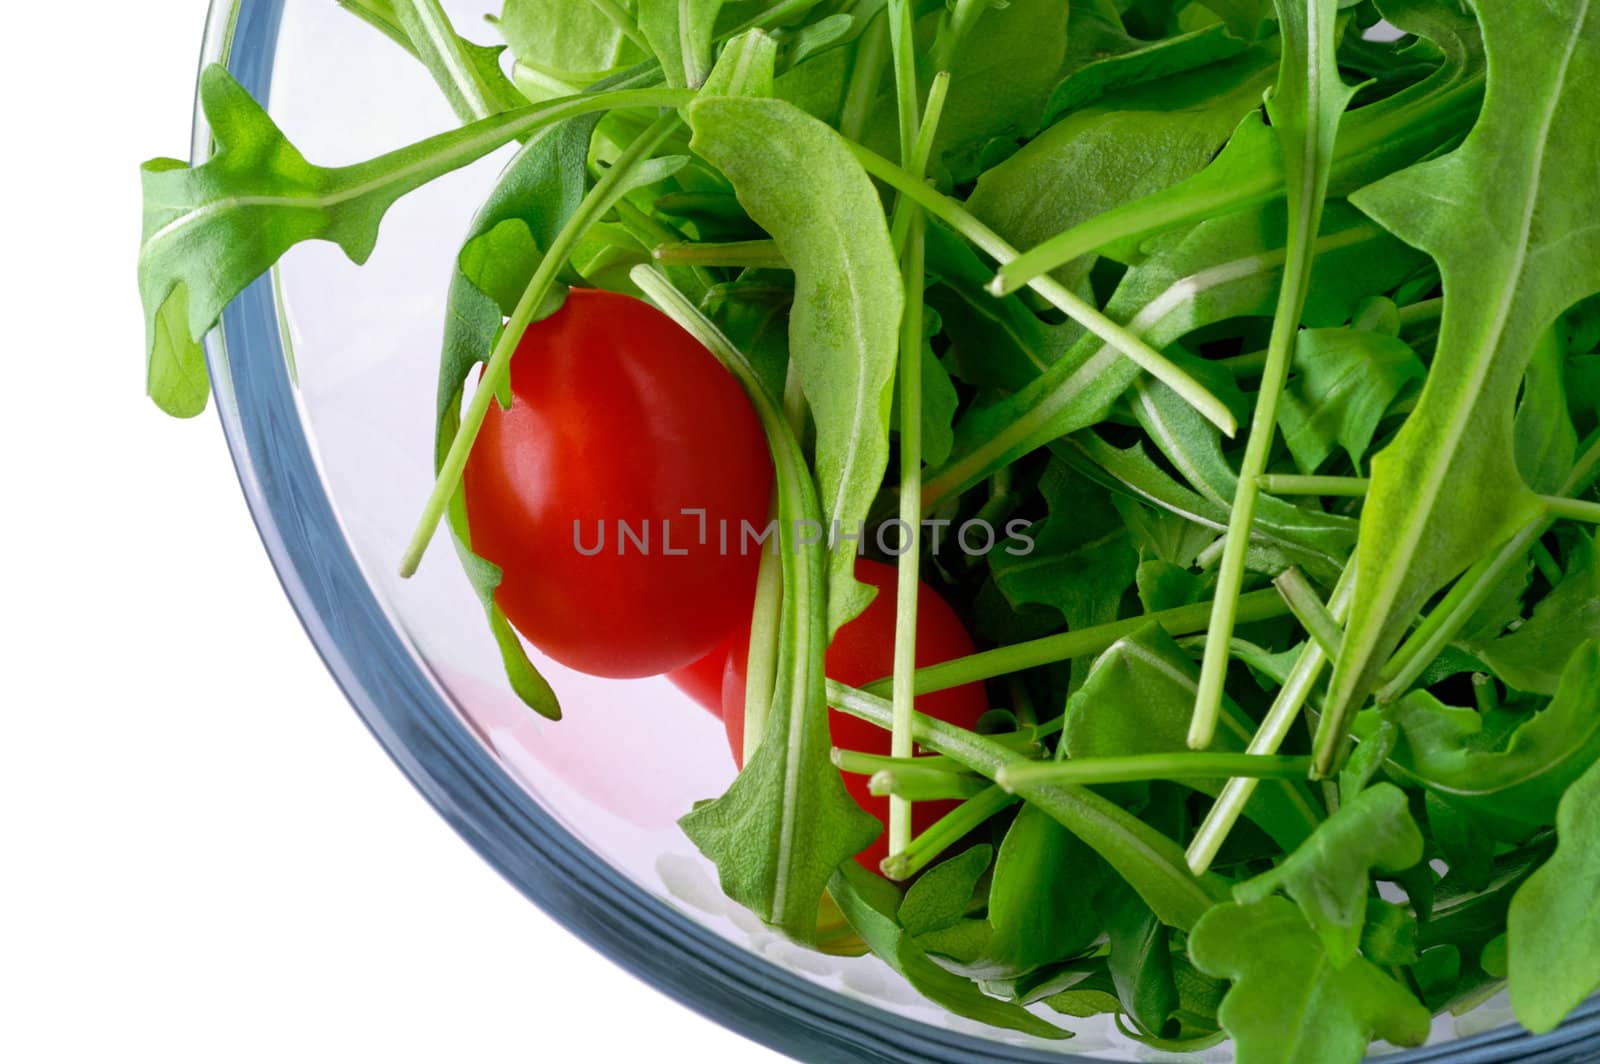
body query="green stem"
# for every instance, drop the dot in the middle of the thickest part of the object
(1546, 563)
(908, 581)
(1484, 693)
(856, 763)
(740, 254)
(761, 666)
(958, 218)
(435, 42)
(1150, 861)
(921, 785)
(1290, 484)
(1181, 620)
(1263, 430)
(1269, 737)
(950, 829)
(1314, 617)
(1573, 509)
(866, 74)
(594, 205)
(954, 32)
(1138, 768)
(1420, 313)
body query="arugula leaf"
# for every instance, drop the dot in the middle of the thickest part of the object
(1553, 927)
(1289, 1004)
(1250, 172)
(1534, 657)
(469, 74)
(1545, 439)
(941, 896)
(1505, 217)
(1141, 963)
(1137, 701)
(564, 46)
(1081, 562)
(787, 823)
(1148, 860)
(1041, 900)
(844, 330)
(1346, 381)
(1521, 782)
(1141, 62)
(1224, 268)
(680, 32)
(212, 229)
(1122, 149)
(869, 903)
(1327, 875)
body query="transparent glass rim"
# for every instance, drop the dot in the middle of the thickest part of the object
(393, 692)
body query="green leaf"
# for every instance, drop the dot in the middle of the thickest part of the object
(564, 46)
(1328, 875)
(1141, 963)
(1523, 780)
(1137, 700)
(1390, 937)
(1124, 148)
(1534, 657)
(1224, 268)
(212, 229)
(745, 67)
(176, 373)
(1148, 860)
(468, 74)
(1506, 218)
(1141, 62)
(1546, 441)
(941, 896)
(1081, 562)
(680, 32)
(844, 330)
(1250, 172)
(1195, 448)
(1346, 380)
(1553, 928)
(1289, 1003)
(787, 823)
(870, 903)
(1464, 844)
(999, 79)
(1041, 900)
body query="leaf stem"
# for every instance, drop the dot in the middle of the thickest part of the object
(1314, 617)
(957, 217)
(948, 830)
(742, 254)
(1573, 509)
(1453, 612)
(594, 205)
(1181, 620)
(1137, 768)
(911, 784)
(1269, 737)
(1334, 487)
(866, 74)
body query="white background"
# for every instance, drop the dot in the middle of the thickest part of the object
(203, 856)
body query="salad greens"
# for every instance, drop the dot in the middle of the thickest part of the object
(1292, 733)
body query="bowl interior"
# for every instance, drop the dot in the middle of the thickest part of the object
(362, 346)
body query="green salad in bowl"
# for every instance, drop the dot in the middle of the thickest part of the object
(1121, 470)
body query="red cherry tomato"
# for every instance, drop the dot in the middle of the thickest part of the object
(702, 680)
(863, 651)
(619, 418)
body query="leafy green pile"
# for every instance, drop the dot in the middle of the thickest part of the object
(1300, 691)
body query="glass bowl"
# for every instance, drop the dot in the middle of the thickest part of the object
(324, 375)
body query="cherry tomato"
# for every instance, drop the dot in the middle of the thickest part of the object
(702, 680)
(619, 423)
(863, 651)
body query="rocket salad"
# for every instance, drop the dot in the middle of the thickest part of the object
(1228, 371)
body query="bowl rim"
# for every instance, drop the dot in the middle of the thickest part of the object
(396, 697)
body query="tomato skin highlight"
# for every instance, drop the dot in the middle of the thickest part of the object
(863, 651)
(619, 421)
